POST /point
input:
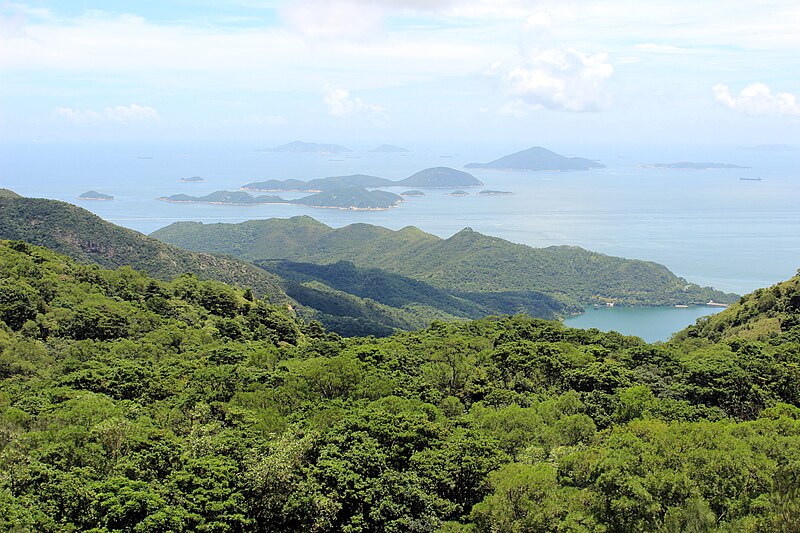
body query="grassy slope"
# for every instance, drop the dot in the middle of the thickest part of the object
(87, 238)
(468, 261)
(762, 314)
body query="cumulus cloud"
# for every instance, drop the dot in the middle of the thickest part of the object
(341, 104)
(119, 114)
(757, 99)
(563, 79)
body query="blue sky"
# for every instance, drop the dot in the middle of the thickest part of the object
(401, 70)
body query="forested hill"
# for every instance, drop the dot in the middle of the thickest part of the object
(467, 261)
(764, 314)
(86, 237)
(132, 404)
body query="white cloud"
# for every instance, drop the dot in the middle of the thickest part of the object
(559, 78)
(118, 114)
(341, 104)
(321, 19)
(757, 99)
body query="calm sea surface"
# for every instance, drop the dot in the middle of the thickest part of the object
(708, 226)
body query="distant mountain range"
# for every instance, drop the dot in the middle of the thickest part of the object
(538, 159)
(309, 148)
(466, 262)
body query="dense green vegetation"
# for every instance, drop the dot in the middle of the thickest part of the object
(467, 262)
(132, 404)
(356, 301)
(87, 238)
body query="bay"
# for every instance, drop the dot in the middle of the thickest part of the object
(652, 324)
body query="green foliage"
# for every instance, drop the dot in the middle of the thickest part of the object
(133, 404)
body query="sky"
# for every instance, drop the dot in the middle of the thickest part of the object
(400, 71)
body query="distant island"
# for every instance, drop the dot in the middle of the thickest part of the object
(300, 147)
(459, 193)
(193, 179)
(440, 178)
(412, 193)
(94, 195)
(390, 149)
(319, 184)
(352, 198)
(224, 198)
(690, 165)
(489, 192)
(538, 159)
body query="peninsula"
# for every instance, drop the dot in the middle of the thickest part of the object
(538, 159)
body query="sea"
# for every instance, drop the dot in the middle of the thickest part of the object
(735, 229)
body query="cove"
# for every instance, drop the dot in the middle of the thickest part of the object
(650, 323)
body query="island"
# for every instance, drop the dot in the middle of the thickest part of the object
(352, 198)
(300, 147)
(94, 195)
(290, 185)
(412, 193)
(319, 184)
(390, 149)
(224, 198)
(689, 165)
(192, 179)
(489, 192)
(538, 159)
(440, 178)
(459, 193)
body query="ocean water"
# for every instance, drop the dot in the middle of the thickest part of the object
(708, 226)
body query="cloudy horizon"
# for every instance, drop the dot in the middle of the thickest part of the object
(432, 70)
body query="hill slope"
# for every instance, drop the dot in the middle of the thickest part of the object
(468, 261)
(87, 238)
(762, 314)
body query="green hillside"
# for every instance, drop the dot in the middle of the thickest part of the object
(467, 262)
(764, 314)
(87, 238)
(132, 404)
